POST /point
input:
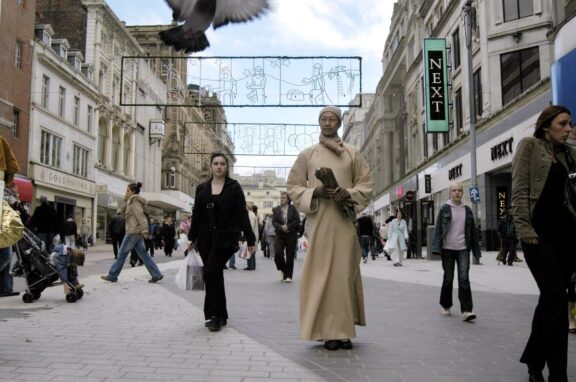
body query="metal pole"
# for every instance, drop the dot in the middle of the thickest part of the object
(467, 10)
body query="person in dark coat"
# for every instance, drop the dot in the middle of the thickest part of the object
(44, 222)
(286, 222)
(168, 235)
(365, 228)
(117, 231)
(70, 232)
(218, 217)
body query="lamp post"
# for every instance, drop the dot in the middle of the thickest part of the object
(467, 12)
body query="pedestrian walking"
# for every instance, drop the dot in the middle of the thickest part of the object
(365, 228)
(185, 224)
(286, 222)
(397, 241)
(545, 217)
(218, 217)
(168, 236)
(455, 235)
(384, 235)
(86, 233)
(155, 231)
(331, 295)
(117, 229)
(70, 232)
(43, 221)
(136, 230)
(270, 237)
(251, 263)
(508, 239)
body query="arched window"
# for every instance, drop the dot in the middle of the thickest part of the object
(116, 148)
(102, 141)
(127, 153)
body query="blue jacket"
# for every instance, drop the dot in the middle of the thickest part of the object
(443, 221)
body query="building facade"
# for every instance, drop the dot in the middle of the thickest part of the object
(511, 59)
(63, 116)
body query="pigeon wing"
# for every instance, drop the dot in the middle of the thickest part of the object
(181, 9)
(238, 11)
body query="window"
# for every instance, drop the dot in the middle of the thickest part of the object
(127, 153)
(50, 147)
(102, 142)
(15, 122)
(517, 9)
(458, 120)
(18, 55)
(435, 142)
(90, 118)
(519, 70)
(62, 102)
(45, 91)
(478, 104)
(267, 204)
(76, 118)
(456, 49)
(116, 148)
(171, 179)
(80, 161)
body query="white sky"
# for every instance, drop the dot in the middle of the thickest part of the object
(292, 28)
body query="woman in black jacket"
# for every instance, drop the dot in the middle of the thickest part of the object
(218, 217)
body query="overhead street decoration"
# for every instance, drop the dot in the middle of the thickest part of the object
(257, 139)
(262, 81)
(436, 85)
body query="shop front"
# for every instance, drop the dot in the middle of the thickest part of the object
(71, 196)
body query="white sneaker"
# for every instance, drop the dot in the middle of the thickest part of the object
(445, 312)
(288, 280)
(468, 316)
(281, 276)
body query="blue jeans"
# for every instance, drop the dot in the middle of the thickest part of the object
(449, 259)
(131, 241)
(5, 277)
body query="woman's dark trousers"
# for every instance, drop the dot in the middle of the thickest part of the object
(548, 342)
(285, 263)
(215, 299)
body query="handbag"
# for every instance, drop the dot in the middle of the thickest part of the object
(11, 227)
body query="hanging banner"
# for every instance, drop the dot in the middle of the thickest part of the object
(436, 85)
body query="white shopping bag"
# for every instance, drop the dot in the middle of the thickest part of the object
(190, 275)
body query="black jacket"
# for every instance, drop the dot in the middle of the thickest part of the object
(70, 228)
(293, 220)
(365, 226)
(231, 218)
(117, 226)
(44, 219)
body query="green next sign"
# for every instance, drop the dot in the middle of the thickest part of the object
(436, 85)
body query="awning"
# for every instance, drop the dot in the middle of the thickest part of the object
(25, 189)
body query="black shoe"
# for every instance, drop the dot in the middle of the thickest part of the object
(536, 377)
(133, 265)
(232, 267)
(249, 269)
(225, 267)
(215, 324)
(346, 344)
(332, 345)
(156, 279)
(8, 294)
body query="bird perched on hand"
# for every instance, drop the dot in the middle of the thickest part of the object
(199, 14)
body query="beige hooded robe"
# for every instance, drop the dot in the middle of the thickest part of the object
(331, 296)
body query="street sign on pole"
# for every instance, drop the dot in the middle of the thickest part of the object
(474, 194)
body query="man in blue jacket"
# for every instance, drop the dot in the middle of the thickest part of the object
(455, 235)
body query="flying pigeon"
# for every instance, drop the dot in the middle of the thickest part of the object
(199, 14)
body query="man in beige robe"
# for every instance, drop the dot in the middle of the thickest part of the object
(331, 296)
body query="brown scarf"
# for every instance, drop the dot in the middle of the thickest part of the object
(334, 144)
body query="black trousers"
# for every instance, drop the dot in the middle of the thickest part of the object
(284, 250)
(507, 250)
(116, 243)
(215, 298)
(548, 342)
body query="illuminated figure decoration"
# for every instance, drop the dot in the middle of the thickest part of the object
(257, 86)
(318, 95)
(227, 86)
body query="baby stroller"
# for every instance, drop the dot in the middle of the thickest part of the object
(35, 266)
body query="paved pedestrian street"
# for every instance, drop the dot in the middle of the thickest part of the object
(136, 331)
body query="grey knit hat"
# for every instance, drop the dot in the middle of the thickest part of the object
(333, 109)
